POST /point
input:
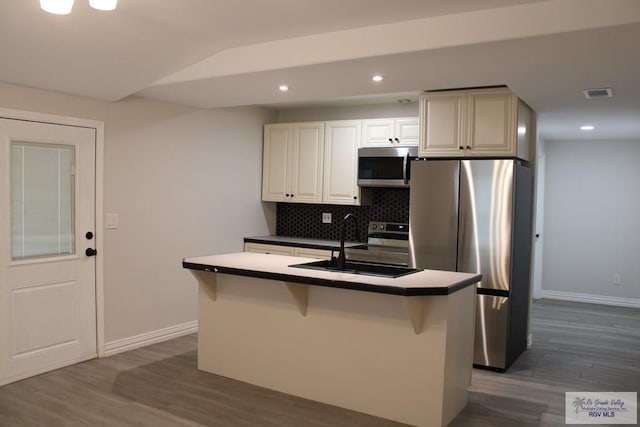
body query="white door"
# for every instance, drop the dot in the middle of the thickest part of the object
(47, 280)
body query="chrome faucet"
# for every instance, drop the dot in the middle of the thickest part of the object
(341, 255)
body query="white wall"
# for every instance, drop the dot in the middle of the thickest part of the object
(592, 220)
(184, 182)
(355, 112)
(538, 227)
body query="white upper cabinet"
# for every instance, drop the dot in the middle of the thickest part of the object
(342, 140)
(401, 132)
(442, 124)
(474, 123)
(275, 162)
(307, 164)
(491, 126)
(292, 169)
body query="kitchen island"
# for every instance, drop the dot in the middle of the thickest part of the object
(397, 348)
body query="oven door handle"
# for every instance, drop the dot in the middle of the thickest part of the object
(405, 164)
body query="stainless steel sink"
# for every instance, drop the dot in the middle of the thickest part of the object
(353, 267)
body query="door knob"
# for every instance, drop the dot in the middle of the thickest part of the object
(90, 252)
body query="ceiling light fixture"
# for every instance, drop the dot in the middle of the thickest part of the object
(587, 127)
(377, 78)
(103, 4)
(57, 7)
(283, 88)
(63, 7)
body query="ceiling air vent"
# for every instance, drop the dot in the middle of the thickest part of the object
(598, 93)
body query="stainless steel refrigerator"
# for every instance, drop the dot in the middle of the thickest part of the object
(476, 216)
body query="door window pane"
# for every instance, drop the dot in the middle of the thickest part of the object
(42, 200)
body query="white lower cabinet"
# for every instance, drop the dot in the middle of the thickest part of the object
(313, 253)
(263, 248)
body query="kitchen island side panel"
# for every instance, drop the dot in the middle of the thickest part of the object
(353, 349)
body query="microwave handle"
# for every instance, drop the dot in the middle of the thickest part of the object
(405, 164)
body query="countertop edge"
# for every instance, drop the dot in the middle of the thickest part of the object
(358, 286)
(273, 240)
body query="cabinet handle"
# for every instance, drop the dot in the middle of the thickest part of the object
(355, 197)
(461, 147)
(391, 140)
(287, 195)
(468, 147)
(292, 195)
(397, 140)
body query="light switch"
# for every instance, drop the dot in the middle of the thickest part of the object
(326, 217)
(111, 221)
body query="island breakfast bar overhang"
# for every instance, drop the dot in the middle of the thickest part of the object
(397, 348)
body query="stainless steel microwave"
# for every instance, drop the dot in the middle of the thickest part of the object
(385, 166)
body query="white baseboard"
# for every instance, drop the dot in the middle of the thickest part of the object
(591, 299)
(148, 338)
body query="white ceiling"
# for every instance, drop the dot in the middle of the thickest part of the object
(218, 53)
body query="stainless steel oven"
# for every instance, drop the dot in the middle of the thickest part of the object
(387, 243)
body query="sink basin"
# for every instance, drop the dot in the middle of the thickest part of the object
(353, 267)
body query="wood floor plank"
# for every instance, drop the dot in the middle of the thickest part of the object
(576, 347)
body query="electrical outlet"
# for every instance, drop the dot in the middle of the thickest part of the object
(617, 279)
(111, 221)
(326, 217)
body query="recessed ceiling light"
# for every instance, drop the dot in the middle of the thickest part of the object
(283, 88)
(587, 127)
(58, 7)
(103, 4)
(377, 78)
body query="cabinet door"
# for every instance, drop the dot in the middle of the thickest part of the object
(441, 118)
(262, 248)
(275, 162)
(491, 124)
(378, 133)
(307, 162)
(407, 130)
(312, 253)
(342, 139)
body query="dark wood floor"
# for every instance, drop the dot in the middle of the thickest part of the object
(577, 347)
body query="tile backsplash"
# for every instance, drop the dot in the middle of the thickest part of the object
(305, 220)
